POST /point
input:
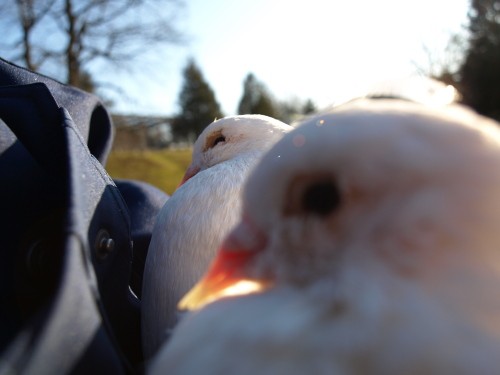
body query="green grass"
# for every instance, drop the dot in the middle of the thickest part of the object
(161, 168)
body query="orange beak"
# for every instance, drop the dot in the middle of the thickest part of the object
(228, 274)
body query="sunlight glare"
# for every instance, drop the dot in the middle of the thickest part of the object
(200, 296)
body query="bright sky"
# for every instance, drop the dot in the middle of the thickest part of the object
(325, 50)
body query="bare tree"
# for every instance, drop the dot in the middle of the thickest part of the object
(20, 18)
(74, 34)
(30, 12)
(443, 65)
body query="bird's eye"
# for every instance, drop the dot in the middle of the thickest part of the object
(214, 139)
(219, 140)
(316, 195)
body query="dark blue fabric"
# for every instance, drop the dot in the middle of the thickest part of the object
(66, 305)
(87, 112)
(143, 201)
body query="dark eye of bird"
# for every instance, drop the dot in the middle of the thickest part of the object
(321, 198)
(312, 194)
(214, 139)
(218, 140)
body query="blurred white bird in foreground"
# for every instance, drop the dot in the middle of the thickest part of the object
(198, 216)
(370, 237)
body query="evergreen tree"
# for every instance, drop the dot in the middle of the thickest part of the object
(309, 107)
(479, 74)
(199, 106)
(256, 99)
(295, 109)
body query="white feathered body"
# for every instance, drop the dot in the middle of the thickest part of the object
(208, 228)
(402, 278)
(388, 329)
(198, 216)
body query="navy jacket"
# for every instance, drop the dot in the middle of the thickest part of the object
(72, 240)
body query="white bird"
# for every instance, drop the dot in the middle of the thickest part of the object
(370, 241)
(198, 216)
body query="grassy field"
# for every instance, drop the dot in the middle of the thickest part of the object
(161, 168)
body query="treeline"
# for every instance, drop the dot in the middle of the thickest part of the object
(477, 75)
(68, 38)
(199, 106)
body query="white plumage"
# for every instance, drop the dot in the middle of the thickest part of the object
(375, 230)
(199, 214)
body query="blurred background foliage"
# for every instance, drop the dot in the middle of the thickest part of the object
(63, 38)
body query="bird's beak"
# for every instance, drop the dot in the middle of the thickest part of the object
(228, 275)
(190, 172)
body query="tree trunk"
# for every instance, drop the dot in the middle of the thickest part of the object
(27, 17)
(72, 55)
